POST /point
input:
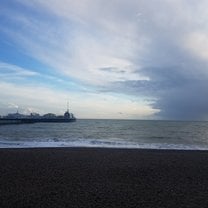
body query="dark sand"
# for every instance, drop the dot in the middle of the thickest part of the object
(87, 178)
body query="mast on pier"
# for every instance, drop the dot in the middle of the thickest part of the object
(67, 106)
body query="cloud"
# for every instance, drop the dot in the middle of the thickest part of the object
(44, 99)
(76, 51)
(112, 69)
(197, 43)
(150, 50)
(9, 71)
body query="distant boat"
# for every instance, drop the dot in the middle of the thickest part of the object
(17, 118)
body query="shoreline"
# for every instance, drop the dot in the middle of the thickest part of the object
(103, 177)
(100, 148)
(87, 144)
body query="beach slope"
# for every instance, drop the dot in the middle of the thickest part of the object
(96, 177)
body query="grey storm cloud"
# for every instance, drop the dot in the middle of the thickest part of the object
(176, 94)
(180, 95)
(178, 78)
(112, 69)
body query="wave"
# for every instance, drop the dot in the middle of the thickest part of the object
(99, 144)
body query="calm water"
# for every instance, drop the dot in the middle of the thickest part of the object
(108, 133)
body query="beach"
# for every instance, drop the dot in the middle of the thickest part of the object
(103, 177)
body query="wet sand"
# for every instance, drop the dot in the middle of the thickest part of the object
(96, 177)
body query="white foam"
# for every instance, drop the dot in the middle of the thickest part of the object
(98, 143)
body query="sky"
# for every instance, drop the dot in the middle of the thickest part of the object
(117, 59)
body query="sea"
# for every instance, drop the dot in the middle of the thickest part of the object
(140, 134)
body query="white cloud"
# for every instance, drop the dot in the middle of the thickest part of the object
(14, 70)
(197, 43)
(44, 99)
(102, 37)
